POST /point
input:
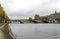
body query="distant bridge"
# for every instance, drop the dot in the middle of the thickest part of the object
(15, 20)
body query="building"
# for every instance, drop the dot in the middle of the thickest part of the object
(36, 17)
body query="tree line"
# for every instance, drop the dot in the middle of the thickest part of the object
(3, 15)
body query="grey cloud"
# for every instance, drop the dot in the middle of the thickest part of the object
(45, 8)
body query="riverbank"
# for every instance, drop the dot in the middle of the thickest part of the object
(4, 31)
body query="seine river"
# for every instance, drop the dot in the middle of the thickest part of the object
(35, 31)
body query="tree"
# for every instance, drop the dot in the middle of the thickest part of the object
(3, 14)
(58, 19)
(42, 18)
(30, 19)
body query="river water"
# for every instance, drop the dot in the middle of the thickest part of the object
(35, 31)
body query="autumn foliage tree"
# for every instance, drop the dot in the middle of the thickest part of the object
(3, 14)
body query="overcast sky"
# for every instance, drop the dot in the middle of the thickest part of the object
(28, 8)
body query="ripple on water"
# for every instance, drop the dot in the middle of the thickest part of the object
(36, 31)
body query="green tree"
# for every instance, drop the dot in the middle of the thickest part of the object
(30, 19)
(58, 19)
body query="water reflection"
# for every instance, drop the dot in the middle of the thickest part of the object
(36, 31)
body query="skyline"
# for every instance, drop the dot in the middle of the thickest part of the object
(28, 8)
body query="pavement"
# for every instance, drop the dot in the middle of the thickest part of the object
(1, 33)
(2, 24)
(4, 32)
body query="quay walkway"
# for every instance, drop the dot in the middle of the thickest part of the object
(5, 32)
